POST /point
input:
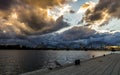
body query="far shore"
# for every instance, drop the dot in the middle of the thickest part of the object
(19, 47)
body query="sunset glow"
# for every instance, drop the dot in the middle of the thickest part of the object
(81, 21)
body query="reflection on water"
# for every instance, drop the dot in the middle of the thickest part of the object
(15, 62)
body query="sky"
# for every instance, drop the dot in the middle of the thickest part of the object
(65, 22)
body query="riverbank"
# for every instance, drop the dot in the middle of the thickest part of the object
(104, 65)
(21, 47)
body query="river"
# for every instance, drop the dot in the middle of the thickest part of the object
(14, 62)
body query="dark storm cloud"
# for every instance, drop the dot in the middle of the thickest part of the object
(102, 12)
(77, 33)
(111, 5)
(44, 3)
(30, 16)
(73, 37)
(38, 24)
(6, 4)
(76, 36)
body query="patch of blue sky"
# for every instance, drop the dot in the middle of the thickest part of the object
(112, 25)
(74, 18)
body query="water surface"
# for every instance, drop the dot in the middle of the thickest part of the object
(14, 62)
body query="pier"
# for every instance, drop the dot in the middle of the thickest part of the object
(104, 65)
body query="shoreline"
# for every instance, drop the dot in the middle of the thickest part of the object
(42, 70)
(20, 47)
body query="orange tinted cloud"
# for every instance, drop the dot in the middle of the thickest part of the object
(33, 16)
(102, 12)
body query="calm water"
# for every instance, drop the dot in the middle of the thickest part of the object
(15, 62)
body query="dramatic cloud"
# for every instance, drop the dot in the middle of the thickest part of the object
(102, 12)
(37, 18)
(6, 4)
(25, 17)
(86, 6)
(72, 38)
(46, 4)
(77, 33)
